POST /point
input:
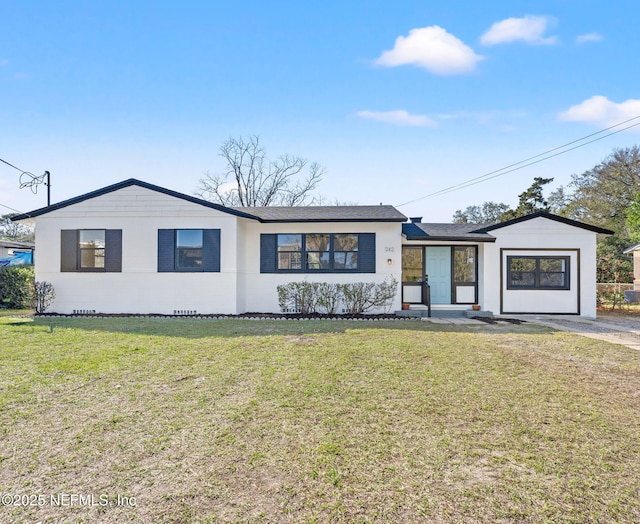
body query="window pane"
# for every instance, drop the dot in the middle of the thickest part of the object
(189, 258)
(522, 264)
(345, 260)
(552, 279)
(92, 247)
(289, 242)
(92, 258)
(523, 279)
(352, 261)
(317, 242)
(412, 264)
(345, 242)
(538, 272)
(464, 264)
(189, 249)
(318, 260)
(289, 260)
(189, 238)
(552, 264)
(92, 238)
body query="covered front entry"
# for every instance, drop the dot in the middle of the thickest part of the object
(451, 273)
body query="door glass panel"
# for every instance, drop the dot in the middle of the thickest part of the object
(412, 264)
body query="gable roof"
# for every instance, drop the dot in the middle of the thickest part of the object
(481, 232)
(261, 214)
(631, 249)
(326, 213)
(454, 232)
(550, 216)
(120, 185)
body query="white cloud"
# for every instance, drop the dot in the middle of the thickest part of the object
(528, 29)
(431, 48)
(4, 62)
(399, 117)
(589, 37)
(602, 111)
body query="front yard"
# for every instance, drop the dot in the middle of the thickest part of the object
(157, 420)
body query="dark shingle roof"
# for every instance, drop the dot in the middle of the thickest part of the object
(262, 214)
(325, 213)
(550, 216)
(481, 232)
(121, 185)
(457, 232)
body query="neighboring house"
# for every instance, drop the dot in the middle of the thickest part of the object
(635, 250)
(138, 248)
(8, 247)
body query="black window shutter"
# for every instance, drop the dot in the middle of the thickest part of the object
(268, 253)
(113, 250)
(69, 250)
(367, 253)
(166, 250)
(211, 250)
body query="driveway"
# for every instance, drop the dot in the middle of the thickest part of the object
(615, 328)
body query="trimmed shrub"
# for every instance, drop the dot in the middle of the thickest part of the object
(16, 286)
(323, 297)
(329, 297)
(299, 297)
(361, 297)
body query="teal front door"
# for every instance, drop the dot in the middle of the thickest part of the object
(438, 270)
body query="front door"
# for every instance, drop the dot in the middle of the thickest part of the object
(438, 271)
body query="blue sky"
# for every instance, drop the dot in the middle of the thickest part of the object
(396, 99)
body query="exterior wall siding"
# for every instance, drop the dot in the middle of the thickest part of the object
(261, 288)
(535, 235)
(139, 288)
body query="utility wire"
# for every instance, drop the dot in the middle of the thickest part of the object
(28, 179)
(11, 208)
(526, 162)
(11, 165)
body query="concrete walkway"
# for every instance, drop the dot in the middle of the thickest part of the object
(617, 329)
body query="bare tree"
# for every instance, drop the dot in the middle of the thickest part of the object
(15, 230)
(251, 179)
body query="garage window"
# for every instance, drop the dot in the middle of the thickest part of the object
(530, 272)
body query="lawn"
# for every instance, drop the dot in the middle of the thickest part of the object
(159, 420)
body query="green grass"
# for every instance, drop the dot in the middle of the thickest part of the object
(317, 421)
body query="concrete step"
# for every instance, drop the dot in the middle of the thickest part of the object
(417, 310)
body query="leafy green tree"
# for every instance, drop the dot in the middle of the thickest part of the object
(612, 266)
(530, 201)
(633, 219)
(602, 195)
(487, 213)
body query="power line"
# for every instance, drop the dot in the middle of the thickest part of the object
(28, 179)
(526, 162)
(11, 208)
(11, 165)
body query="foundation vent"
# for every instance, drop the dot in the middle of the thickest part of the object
(185, 312)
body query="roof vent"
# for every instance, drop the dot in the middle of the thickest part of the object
(416, 220)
